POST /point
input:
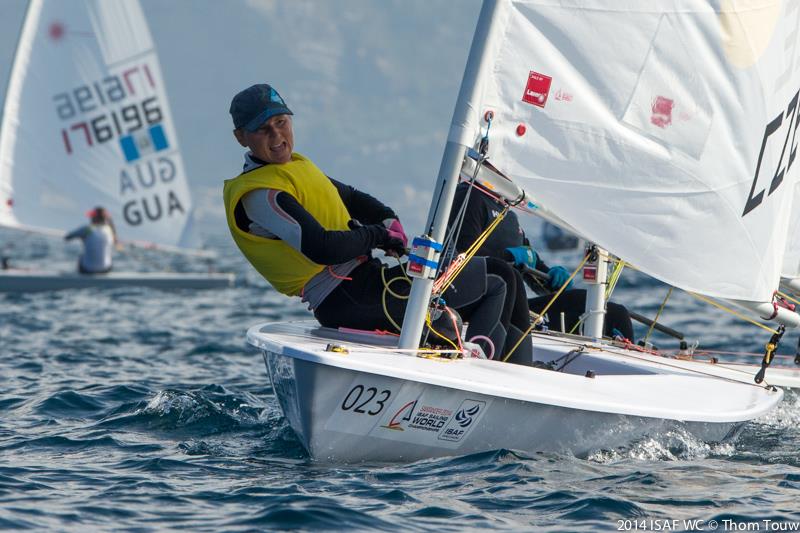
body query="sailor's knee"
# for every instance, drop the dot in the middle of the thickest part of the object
(495, 286)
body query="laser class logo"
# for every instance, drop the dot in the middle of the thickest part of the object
(662, 112)
(537, 89)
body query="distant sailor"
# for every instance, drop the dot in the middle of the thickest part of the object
(99, 238)
(312, 236)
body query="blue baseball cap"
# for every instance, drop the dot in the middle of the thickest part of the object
(255, 105)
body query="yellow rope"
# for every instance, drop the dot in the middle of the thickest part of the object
(731, 311)
(471, 251)
(386, 288)
(612, 283)
(615, 276)
(784, 295)
(658, 314)
(546, 307)
(474, 248)
(430, 327)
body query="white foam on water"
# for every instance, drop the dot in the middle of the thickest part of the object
(674, 445)
(786, 415)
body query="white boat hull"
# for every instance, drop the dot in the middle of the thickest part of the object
(14, 280)
(375, 404)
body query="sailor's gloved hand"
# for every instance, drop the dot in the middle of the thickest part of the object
(393, 243)
(522, 256)
(558, 276)
(396, 230)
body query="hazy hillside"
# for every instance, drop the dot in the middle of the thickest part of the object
(372, 83)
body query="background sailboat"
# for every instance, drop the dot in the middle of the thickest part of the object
(86, 122)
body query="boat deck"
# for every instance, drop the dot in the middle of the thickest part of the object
(620, 384)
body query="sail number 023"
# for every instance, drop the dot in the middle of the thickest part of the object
(365, 400)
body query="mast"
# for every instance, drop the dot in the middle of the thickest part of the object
(461, 135)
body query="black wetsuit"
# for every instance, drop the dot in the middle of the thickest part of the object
(481, 211)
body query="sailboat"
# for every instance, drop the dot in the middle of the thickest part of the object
(86, 122)
(648, 130)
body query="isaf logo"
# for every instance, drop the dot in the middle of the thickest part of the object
(466, 418)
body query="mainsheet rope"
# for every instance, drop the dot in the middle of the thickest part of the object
(733, 312)
(546, 308)
(658, 314)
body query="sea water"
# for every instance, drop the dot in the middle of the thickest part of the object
(135, 409)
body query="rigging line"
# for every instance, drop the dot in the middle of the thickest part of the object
(615, 276)
(472, 250)
(692, 370)
(784, 295)
(411, 350)
(383, 349)
(581, 320)
(733, 312)
(575, 354)
(658, 314)
(566, 357)
(546, 308)
(664, 363)
(387, 289)
(430, 327)
(455, 230)
(720, 306)
(743, 354)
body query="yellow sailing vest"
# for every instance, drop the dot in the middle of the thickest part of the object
(285, 268)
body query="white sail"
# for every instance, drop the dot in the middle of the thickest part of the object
(86, 122)
(791, 261)
(665, 132)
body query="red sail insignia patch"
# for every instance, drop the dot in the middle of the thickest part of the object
(537, 89)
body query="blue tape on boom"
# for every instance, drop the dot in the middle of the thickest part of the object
(418, 241)
(422, 261)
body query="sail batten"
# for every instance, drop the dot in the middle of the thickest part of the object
(86, 122)
(657, 131)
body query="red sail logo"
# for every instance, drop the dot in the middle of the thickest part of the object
(662, 112)
(537, 89)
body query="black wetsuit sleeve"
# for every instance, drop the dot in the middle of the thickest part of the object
(475, 219)
(361, 206)
(330, 247)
